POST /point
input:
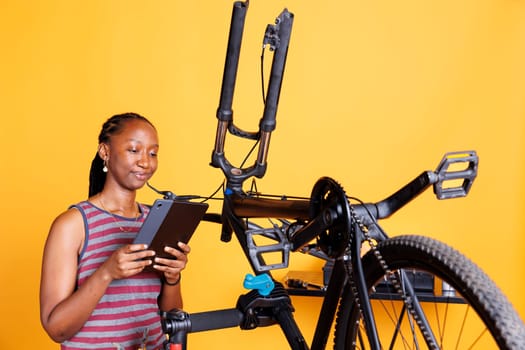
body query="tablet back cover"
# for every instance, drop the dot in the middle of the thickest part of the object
(168, 223)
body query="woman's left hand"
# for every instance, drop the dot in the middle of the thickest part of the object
(173, 267)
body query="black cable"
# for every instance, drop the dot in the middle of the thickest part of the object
(249, 153)
(211, 196)
(262, 76)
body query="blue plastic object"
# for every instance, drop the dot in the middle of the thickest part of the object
(263, 283)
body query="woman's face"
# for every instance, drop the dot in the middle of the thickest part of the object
(132, 155)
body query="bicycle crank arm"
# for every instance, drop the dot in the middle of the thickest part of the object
(453, 178)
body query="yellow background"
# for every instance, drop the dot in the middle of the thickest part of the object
(374, 93)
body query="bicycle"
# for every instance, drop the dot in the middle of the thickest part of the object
(401, 292)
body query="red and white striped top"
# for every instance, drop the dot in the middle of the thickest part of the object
(126, 317)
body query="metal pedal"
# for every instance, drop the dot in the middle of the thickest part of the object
(257, 252)
(456, 173)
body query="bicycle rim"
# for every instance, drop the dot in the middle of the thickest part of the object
(474, 315)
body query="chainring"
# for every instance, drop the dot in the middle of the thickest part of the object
(329, 198)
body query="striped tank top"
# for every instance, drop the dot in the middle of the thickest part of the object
(126, 317)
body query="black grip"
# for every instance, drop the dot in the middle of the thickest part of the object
(220, 319)
(224, 112)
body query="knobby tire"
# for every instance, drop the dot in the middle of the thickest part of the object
(451, 322)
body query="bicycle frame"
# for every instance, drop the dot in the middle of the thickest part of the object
(326, 217)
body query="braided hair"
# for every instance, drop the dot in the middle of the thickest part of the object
(112, 126)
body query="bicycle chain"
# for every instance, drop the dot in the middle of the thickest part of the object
(391, 275)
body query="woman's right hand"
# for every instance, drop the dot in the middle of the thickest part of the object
(128, 260)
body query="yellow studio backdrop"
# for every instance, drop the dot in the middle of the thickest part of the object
(374, 93)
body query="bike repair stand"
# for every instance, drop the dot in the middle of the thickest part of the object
(266, 304)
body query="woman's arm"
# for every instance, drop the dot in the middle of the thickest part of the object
(171, 296)
(64, 309)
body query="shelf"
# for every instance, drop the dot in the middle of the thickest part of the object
(313, 283)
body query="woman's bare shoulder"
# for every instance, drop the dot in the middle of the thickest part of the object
(71, 216)
(68, 226)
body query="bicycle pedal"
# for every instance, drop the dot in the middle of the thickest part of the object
(456, 173)
(266, 257)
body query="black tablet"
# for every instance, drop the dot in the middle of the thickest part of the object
(170, 222)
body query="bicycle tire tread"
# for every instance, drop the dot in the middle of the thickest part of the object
(507, 322)
(420, 251)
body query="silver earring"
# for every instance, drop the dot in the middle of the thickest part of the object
(105, 168)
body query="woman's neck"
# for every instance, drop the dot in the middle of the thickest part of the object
(123, 203)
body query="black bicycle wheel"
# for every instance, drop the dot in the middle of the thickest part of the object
(473, 315)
